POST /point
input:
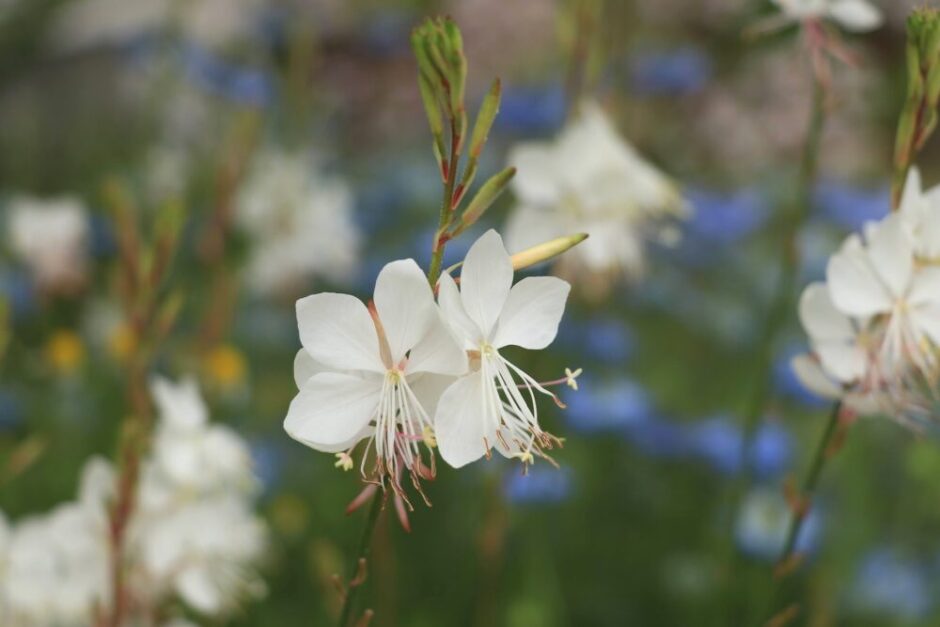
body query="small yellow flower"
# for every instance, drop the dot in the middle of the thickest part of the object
(571, 378)
(65, 351)
(225, 366)
(344, 461)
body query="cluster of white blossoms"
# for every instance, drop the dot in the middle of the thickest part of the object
(192, 535)
(874, 325)
(50, 237)
(590, 180)
(406, 374)
(853, 15)
(54, 568)
(301, 222)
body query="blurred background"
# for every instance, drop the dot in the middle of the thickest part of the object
(291, 133)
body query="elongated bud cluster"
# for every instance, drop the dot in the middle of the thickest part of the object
(145, 263)
(442, 74)
(442, 78)
(919, 116)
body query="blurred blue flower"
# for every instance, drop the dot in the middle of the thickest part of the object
(719, 443)
(101, 241)
(11, 411)
(850, 206)
(605, 339)
(887, 584)
(675, 72)
(243, 85)
(763, 523)
(19, 291)
(532, 110)
(598, 407)
(658, 437)
(268, 456)
(786, 381)
(771, 450)
(725, 217)
(542, 485)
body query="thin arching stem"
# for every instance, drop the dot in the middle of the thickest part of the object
(362, 557)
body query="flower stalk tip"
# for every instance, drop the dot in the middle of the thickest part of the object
(919, 116)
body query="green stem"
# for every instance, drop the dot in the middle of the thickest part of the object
(447, 209)
(365, 549)
(810, 481)
(779, 313)
(808, 493)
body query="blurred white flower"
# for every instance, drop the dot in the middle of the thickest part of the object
(495, 404)
(590, 180)
(194, 530)
(189, 454)
(57, 565)
(875, 324)
(300, 221)
(373, 373)
(852, 15)
(51, 237)
(204, 551)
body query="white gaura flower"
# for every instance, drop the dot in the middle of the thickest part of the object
(190, 454)
(203, 552)
(495, 404)
(51, 237)
(194, 533)
(843, 361)
(301, 223)
(874, 325)
(878, 278)
(852, 15)
(590, 180)
(920, 211)
(373, 373)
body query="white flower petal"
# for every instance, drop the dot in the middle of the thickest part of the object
(438, 351)
(845, 362)
(892, 253)
(856, 15)
(485, 280)
(812, 376)
(854, 286)
(532, 312)
(337, 331)
(820, 317)
(460, 422)
(911, 198)
(925, 288)
(926, 319)
(180, 405)
(305, 367)
(448, 297)
(332, 408)
(428, 389)
(196, 587)
(405, 304)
